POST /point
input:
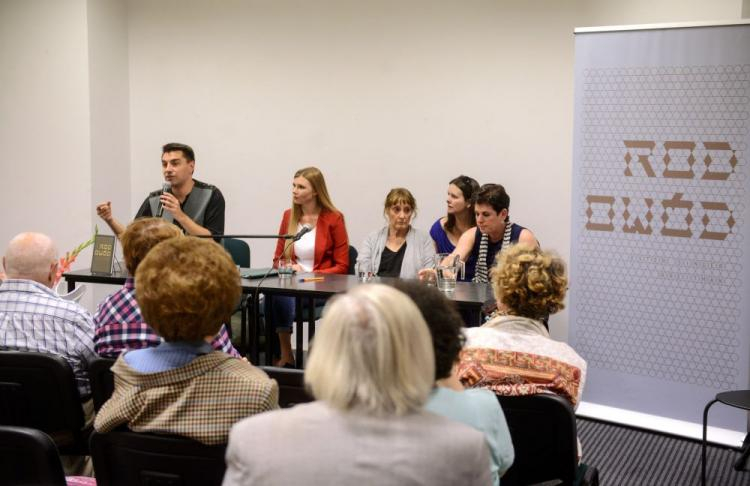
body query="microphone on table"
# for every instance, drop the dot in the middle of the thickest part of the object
(165, 188)
(306, 228)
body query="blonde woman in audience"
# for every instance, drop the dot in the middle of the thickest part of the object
(513, 354)
(186, 288)
(398, 249)
(371, 369)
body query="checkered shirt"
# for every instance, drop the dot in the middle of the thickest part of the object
(201, 400)
(119, 326)
(34, 318)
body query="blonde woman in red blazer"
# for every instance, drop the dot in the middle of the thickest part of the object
(312, 206)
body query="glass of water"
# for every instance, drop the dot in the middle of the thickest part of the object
(285, 269)
(364, 272)
(447, 269)
(446, 277)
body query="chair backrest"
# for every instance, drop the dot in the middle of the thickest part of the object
(291, 385)
(75, 295)
(102, 381)
(28, 456)
(239, 250)
(353, 253)
(38, 390)
(122, 457)
(543, 429)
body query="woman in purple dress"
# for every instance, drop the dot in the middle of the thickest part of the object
(447, 230)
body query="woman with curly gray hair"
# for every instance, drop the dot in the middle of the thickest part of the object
(513, 354)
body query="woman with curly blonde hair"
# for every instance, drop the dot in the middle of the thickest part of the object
(513, 354)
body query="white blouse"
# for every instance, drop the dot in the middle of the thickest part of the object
(304, 250)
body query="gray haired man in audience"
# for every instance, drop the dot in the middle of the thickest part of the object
(34, 318)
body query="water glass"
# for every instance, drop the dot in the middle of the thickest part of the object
(446, 277)
(364, 272)
(285, 269)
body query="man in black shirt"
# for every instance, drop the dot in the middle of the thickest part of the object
(194, 206)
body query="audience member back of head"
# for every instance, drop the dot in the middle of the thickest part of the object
(186, 288)
(371, 369)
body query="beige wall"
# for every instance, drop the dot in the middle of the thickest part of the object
(110, 110)
(45, 168)
(614, 12)
(110, 113)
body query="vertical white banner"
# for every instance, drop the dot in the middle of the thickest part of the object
(660, 267)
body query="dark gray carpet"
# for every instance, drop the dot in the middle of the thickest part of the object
(627, 456)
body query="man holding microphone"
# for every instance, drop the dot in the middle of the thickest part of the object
(194, 206)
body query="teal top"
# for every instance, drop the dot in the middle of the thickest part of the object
(479, 409)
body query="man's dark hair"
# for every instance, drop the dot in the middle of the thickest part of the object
(442, 319)
(493, 195)
(186, 150)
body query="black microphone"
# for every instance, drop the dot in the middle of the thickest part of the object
(165, 188)
(306, 228)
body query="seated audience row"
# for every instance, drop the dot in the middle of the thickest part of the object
(378, 365)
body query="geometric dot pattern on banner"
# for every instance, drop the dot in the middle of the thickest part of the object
(660, 254)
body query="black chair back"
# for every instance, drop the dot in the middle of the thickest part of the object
(543, 429)
(28, 456)
(102, 381)
(239, 250)
(124, 458)
(291, 385)
(353, 253)
(38, 390)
